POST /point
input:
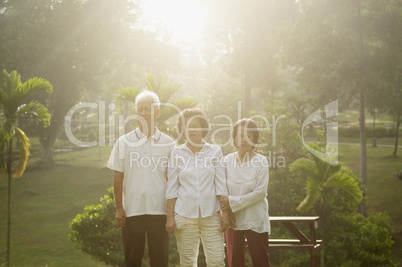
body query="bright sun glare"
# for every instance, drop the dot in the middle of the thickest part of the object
(182, 18)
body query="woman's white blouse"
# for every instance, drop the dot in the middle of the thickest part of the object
(247, 187)
(196, 180)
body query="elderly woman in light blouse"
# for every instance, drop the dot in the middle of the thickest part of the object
(247, 181)
(196, 182)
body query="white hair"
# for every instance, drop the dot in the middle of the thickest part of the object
(148, 94)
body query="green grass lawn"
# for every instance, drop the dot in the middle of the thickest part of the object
(44, 201)
(384, 190)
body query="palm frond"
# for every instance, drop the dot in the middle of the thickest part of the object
(127, 94)
(171, 109)
(313, 193)
(151, 84)
(35, 84)
(166, 93)
(38, 110)
(14, 91)
(304, 167)
(165, 90)
(346, 183)
(125, 99)
(325, 169)
(24, 147)
(12, 81)
(8, 128)
(8, 96)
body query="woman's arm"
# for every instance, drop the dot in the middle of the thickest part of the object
(171, 192)
(259, 192)
(227, 216)
(170, 222)
(220, 176)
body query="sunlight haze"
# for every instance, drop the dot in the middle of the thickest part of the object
(182, 20)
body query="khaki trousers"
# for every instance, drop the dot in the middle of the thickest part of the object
(188, 233)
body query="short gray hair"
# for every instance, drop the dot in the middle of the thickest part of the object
(148, 94)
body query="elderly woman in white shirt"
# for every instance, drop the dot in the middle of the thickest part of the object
(196, 182)
(247, 181)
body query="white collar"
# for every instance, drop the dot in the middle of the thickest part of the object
(185, 147)
(156, 136)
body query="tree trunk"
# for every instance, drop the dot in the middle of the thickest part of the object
(9, 173)
(398, 124)
(362, 109)
(363, 150)
(47, 138)
(46, 148)
(247, 93)
(46, 154)
(374, 138)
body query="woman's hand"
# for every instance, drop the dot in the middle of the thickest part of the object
(170, 225)
(232, 220)
(224, 200)
(225, 220)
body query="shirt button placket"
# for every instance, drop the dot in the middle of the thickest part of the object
(199, 185)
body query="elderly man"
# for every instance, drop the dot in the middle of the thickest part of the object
(139, 161)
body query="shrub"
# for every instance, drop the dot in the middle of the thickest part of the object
(349, 131)
(354, 131)
(381, 132)
(353, 240)
(97, 233)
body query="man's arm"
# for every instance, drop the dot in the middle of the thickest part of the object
(118, 178)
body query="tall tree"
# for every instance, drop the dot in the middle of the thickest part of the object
(332, 49)
(76, 45)
(248, 30)
(385, 28)
(12, 96)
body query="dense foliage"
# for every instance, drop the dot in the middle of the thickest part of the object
(354, 240)
(95, 232)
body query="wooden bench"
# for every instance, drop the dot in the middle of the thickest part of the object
(302, 241)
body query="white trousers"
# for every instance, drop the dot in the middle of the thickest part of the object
(188, 233)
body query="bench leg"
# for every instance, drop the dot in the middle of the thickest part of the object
(313, 259)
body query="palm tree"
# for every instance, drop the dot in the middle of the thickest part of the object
(324, 181)
(125, 99)
(12, 107)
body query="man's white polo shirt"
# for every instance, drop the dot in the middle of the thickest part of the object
(144, 162)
